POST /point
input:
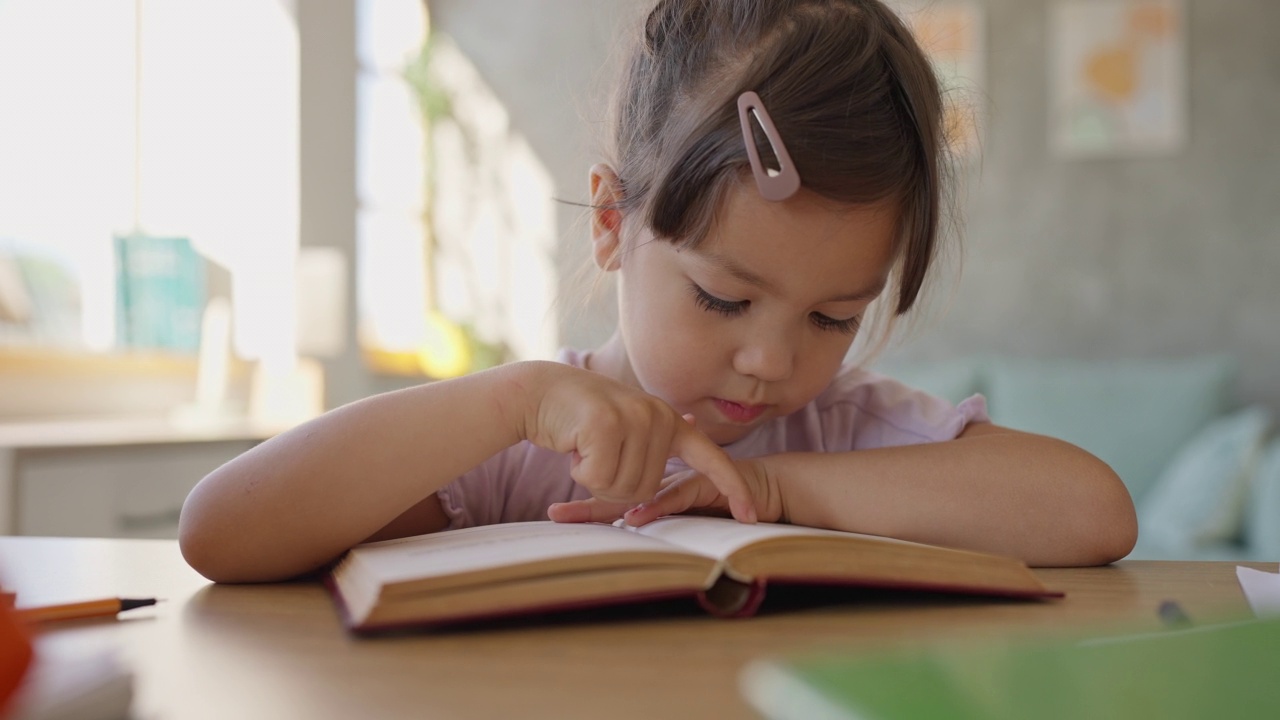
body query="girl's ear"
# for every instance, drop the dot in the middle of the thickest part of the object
(606, 218)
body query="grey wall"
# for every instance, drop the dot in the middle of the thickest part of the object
(1129, 258)
(1090, 259)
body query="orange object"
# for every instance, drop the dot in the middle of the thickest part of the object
(81, 610)
(15, 652)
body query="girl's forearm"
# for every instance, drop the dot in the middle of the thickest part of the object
(1027, 496)
(300, 499)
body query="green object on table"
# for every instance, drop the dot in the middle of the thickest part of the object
(1222, 671)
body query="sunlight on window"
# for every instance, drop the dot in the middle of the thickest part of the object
(457, 224)
(188, 129)
(493, 213)
(220, 151)
(495, 229)
(390, 275)
(66, 153)
(391, 289)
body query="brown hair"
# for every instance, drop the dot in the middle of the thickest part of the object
(853, 96)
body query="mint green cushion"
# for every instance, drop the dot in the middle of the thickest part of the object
(1199, 500)
(1262, 521)
(1134, 415)
(953, 380)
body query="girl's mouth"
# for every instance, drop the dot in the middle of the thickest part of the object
(741, 414)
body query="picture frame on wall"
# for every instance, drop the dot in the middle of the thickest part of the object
(1118, 80)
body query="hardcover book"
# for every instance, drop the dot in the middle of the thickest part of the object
(535, 567)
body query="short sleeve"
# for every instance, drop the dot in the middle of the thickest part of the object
(475, 498)
(863, 410)
(515, 485)
(974, 410)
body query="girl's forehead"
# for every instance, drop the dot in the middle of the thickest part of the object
(806, 208)
(803, 243)
(747, 225)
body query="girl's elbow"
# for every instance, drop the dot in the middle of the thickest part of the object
(207, 545)
(1115, 530)
(1117, 538)
(199, 548)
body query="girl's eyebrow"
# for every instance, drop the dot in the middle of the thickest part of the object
(729, 266)
(862, 296)
(734, 269)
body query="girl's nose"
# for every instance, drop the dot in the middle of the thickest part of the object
(768, 358)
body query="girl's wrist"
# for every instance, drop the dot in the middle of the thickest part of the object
(762, 473)
(790, 475)
(518, 394)
(513, 387)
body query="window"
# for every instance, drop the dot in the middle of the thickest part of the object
(457, 222)
(165, 118)
(179, 120)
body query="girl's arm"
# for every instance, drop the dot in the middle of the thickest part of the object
(297, 501)
(371, 469)
(992, 490)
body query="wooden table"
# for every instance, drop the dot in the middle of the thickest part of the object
(278, 651)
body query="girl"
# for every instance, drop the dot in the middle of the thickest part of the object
(776, 166)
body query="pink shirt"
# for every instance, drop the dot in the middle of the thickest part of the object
(858, 411)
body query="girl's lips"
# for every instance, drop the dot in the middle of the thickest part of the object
(739, 413)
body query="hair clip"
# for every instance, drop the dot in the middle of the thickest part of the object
(775, 185)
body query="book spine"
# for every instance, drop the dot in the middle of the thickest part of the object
(732, 599)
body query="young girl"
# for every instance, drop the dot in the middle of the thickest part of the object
(776, 167)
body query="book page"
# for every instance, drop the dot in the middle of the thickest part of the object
(806, 554)
(721, 537)
(474, 550)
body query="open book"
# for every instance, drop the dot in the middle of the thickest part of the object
(531, 567)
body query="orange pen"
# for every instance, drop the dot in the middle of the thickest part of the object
(81, 610)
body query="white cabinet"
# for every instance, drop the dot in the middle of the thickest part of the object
(107, 479)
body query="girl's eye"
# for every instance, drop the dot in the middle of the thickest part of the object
(848, 327)
(711, 303)
(732, 308)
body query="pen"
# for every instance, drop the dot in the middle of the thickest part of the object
(81, 610)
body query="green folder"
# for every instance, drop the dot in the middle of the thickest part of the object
(1213, 671)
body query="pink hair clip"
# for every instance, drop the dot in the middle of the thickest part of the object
(775, 185)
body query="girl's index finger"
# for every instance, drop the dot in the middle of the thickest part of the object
(699, 453)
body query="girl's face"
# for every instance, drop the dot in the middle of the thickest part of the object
(754, 323)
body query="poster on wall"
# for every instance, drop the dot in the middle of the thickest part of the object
(1117, 78)
(952, 34)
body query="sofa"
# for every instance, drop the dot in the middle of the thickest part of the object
(1203, 469)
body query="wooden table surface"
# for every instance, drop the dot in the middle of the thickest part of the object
(278, 651)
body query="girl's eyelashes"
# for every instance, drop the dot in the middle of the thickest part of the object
(711, 303)
(847, 327)
(734, 308)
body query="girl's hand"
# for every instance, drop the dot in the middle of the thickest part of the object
(620, 438)
(690, 492)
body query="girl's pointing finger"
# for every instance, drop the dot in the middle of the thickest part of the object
(699, 453)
